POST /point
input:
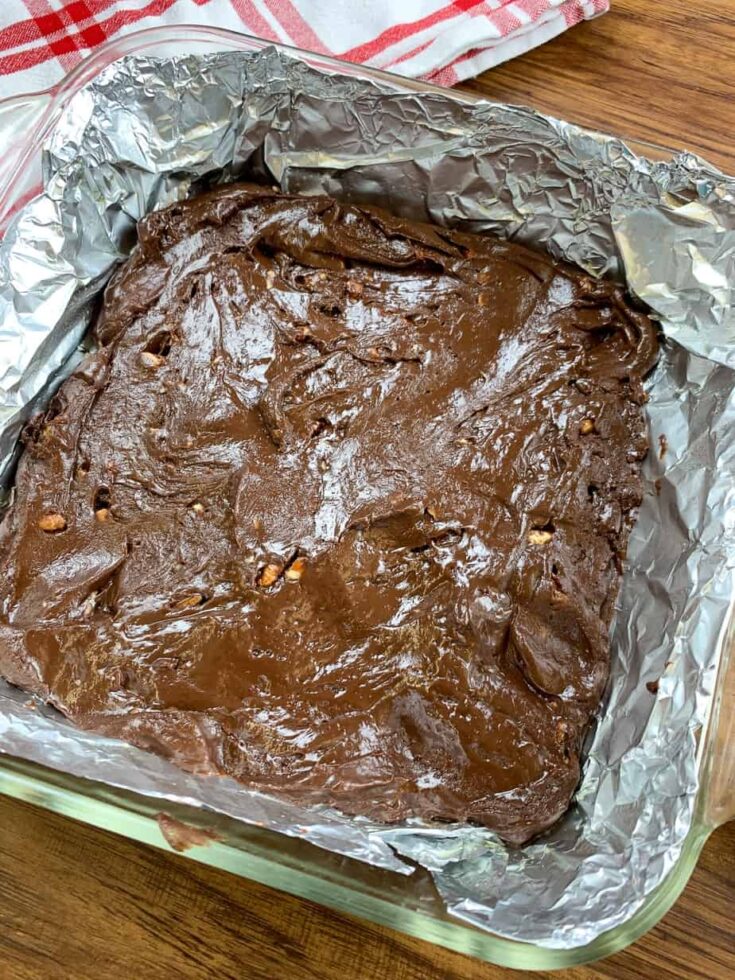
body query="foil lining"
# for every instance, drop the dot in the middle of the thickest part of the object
(147, 132)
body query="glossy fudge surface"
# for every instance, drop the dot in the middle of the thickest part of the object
(337, 508)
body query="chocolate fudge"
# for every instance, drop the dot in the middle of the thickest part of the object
(338, 508)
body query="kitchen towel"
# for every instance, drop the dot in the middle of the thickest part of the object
(443, 42)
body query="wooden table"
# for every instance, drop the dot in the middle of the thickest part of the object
(79, 903)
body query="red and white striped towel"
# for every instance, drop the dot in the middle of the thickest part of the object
(444, 41)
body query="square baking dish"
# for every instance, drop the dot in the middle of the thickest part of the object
(410, 904)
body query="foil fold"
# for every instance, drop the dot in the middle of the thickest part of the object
(147, 132)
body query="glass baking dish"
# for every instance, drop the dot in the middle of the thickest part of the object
(411, 903)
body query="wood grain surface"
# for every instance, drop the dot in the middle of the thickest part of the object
(80, 903)
(655, 70)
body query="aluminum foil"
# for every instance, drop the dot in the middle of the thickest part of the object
(147, 132)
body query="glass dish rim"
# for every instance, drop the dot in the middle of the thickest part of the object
(135, 816)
